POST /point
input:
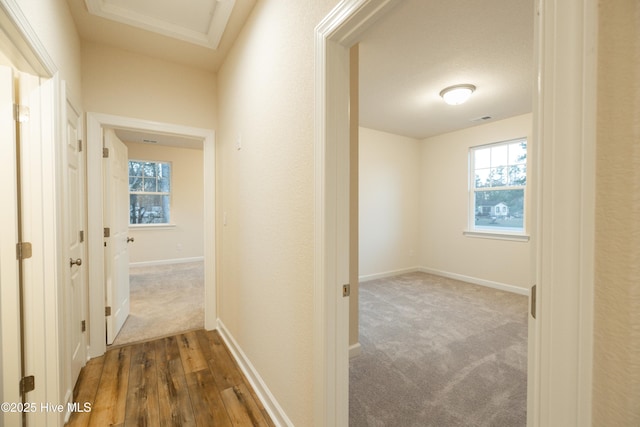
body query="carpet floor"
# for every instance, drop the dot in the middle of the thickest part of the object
(165, 300)
(439, 352)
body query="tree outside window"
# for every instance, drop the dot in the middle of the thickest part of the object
(149, 192)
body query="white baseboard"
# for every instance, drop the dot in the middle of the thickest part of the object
(355, 350)
(278, 416)
(387, 274)
(166, 261)
(476, 281)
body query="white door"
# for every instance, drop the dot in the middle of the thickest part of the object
(116, 218)
(9, 299)
(74, 226)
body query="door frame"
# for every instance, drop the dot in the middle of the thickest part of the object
(561, 338)
(95, 124)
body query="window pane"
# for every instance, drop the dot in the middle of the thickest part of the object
(135, 169)
(149, 169)
(499, 155)
(135, 183)
(148, 209)
(518, 153)
(498, 177)
(482, 178)
(517, 175)
(150, 185)
(499, 209)
(482, 158)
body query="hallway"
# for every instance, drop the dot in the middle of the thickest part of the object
(183, 380)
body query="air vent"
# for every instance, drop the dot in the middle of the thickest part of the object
(481, 119)
(150, 141)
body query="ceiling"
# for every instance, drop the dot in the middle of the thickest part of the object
(420, 47)
(164, 29)
(406, 58)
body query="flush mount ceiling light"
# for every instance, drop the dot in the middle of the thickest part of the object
(458, 94)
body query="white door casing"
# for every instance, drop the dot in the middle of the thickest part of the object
(116, 218)
(75, 286)
(9, 316)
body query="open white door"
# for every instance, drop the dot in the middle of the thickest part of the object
(74, 226)
(116, 222)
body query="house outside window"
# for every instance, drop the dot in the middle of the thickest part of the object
(498, 179)
(149, 192)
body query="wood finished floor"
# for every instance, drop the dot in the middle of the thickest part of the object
(183, 380)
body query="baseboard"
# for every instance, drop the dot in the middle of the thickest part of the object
(166, 261)
(387, 274)
(269, 402)
(476, 281)
(355, 350)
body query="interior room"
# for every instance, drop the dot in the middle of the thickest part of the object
(415, 233)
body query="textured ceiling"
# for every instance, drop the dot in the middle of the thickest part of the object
(422, 46)
(406, 58)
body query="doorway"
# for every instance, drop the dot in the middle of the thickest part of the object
(165, 199)
(96, 123)
(565, 43)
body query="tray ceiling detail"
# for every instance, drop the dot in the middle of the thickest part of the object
(202, 22)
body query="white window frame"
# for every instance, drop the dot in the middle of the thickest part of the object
(500, 233)
(169, 193)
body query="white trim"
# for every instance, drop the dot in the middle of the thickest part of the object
(496, 235)
(387, 274)
(566, 130)
(95, 123)
(155, 227)
(166, 261)
(355, 350)
(277, 414)
(476, 281)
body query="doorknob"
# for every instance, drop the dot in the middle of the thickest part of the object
(130, 239)
(77, 262)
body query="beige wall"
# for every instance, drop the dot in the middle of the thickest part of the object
(54, 26)
(185, 239)
(390, 219)
(616, 380)
(266, 98)
(444, 207)
(126, 84)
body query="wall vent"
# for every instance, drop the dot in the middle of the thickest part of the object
(481, 119)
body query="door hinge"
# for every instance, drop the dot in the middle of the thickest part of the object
(83, 326)
(81, 236)
(107, 311)
(21, 113)
(27, 384)
(23, 250)
(346, 290)
(533, 301)
(107, 232)
(79, 145)
(105, 153)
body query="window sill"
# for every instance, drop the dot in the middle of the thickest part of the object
(496, 235)
(151, 226)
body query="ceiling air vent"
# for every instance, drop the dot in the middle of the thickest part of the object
(481, 119)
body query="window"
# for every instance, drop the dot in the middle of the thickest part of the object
(498, 175)
(149, 192)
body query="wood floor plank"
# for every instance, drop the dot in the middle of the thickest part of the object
(85, 391)
(208, 407)
(111, 398)
(173, 395)
(190, 352)
(241, 407)
(225, 370)
(142, 395)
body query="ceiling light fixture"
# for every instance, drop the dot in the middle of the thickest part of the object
(458, 94)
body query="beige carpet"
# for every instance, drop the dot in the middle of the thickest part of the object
(439, 352)
(165, 300)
